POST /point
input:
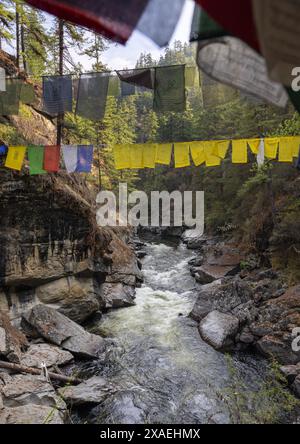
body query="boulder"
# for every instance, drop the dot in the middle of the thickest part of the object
(20, 390)
(204, 301)
(92, 391)
(76, 298)
(290, 372)
(47, 353)
(196, 261)
(219, 329)
(209, 273)
(117, 295)
(60, 330)
(276, 346)
(296, 386)
(31, 414)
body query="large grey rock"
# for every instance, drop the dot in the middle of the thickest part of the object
(117, 295)
(21, 390)
(290, 372)
(47, 353)
(209, 273)
(296, 386)
(205, 300)
(31, 414)
(219, 329)
(74, 297)
(92, 391)
(60, 330)
(276, 346)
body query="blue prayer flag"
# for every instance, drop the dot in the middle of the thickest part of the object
(85, 158)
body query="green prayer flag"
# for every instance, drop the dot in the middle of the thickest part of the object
(169, 89)
(113, 86)
(204, 27)
(27, 94)
(36, 160)
(190, 76)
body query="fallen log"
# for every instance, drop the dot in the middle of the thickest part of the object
(34, 371)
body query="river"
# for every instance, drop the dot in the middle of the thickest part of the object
(165, 372)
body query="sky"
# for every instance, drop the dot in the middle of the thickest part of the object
(119, 56)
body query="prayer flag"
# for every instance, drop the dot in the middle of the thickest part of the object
(149, 155)
(182, 155)
(57, 94)
(239, 151)
(285, 150)
(122, 156)
(70, 155)
(10, 99)
(169, 89)
(197, 152)
(15, 157)
(85, 158)
(261, 153)
(212, 160)
(164, 153)
(222, 148)
(138, 77)
(136, 156)
(271, 147)
(51, 158)
(92, 94)
(36, 160)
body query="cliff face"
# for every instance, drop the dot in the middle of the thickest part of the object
(51, 249)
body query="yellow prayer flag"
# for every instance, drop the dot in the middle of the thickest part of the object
(182, 155)
(271, 147)
(285, 149)
(222, 148)
(291, 143)
(163, 153)
(239, 151)
(296, 145)
(212, 160)
(122, 157)
(149, 155)
(15, 157)
(197, 152)
(136, 156)
(254, 145)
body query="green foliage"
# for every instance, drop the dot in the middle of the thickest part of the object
(269, 403)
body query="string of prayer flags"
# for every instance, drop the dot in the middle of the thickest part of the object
(92, 94)
(2, 80)
(164, 153)
(271, 147)
(169, 89)
(149, 155)
(239, 151)
(15, 157)
(137, 77)
(57, 94)
(10, 99)
(182, 155)
(52, 158)
(36, 160)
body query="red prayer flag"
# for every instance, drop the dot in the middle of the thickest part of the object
(52, 158)
(236, 17)
(115, 19)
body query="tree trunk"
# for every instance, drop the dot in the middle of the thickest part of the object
(18, 37)
(23, 48)
(60, 118)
